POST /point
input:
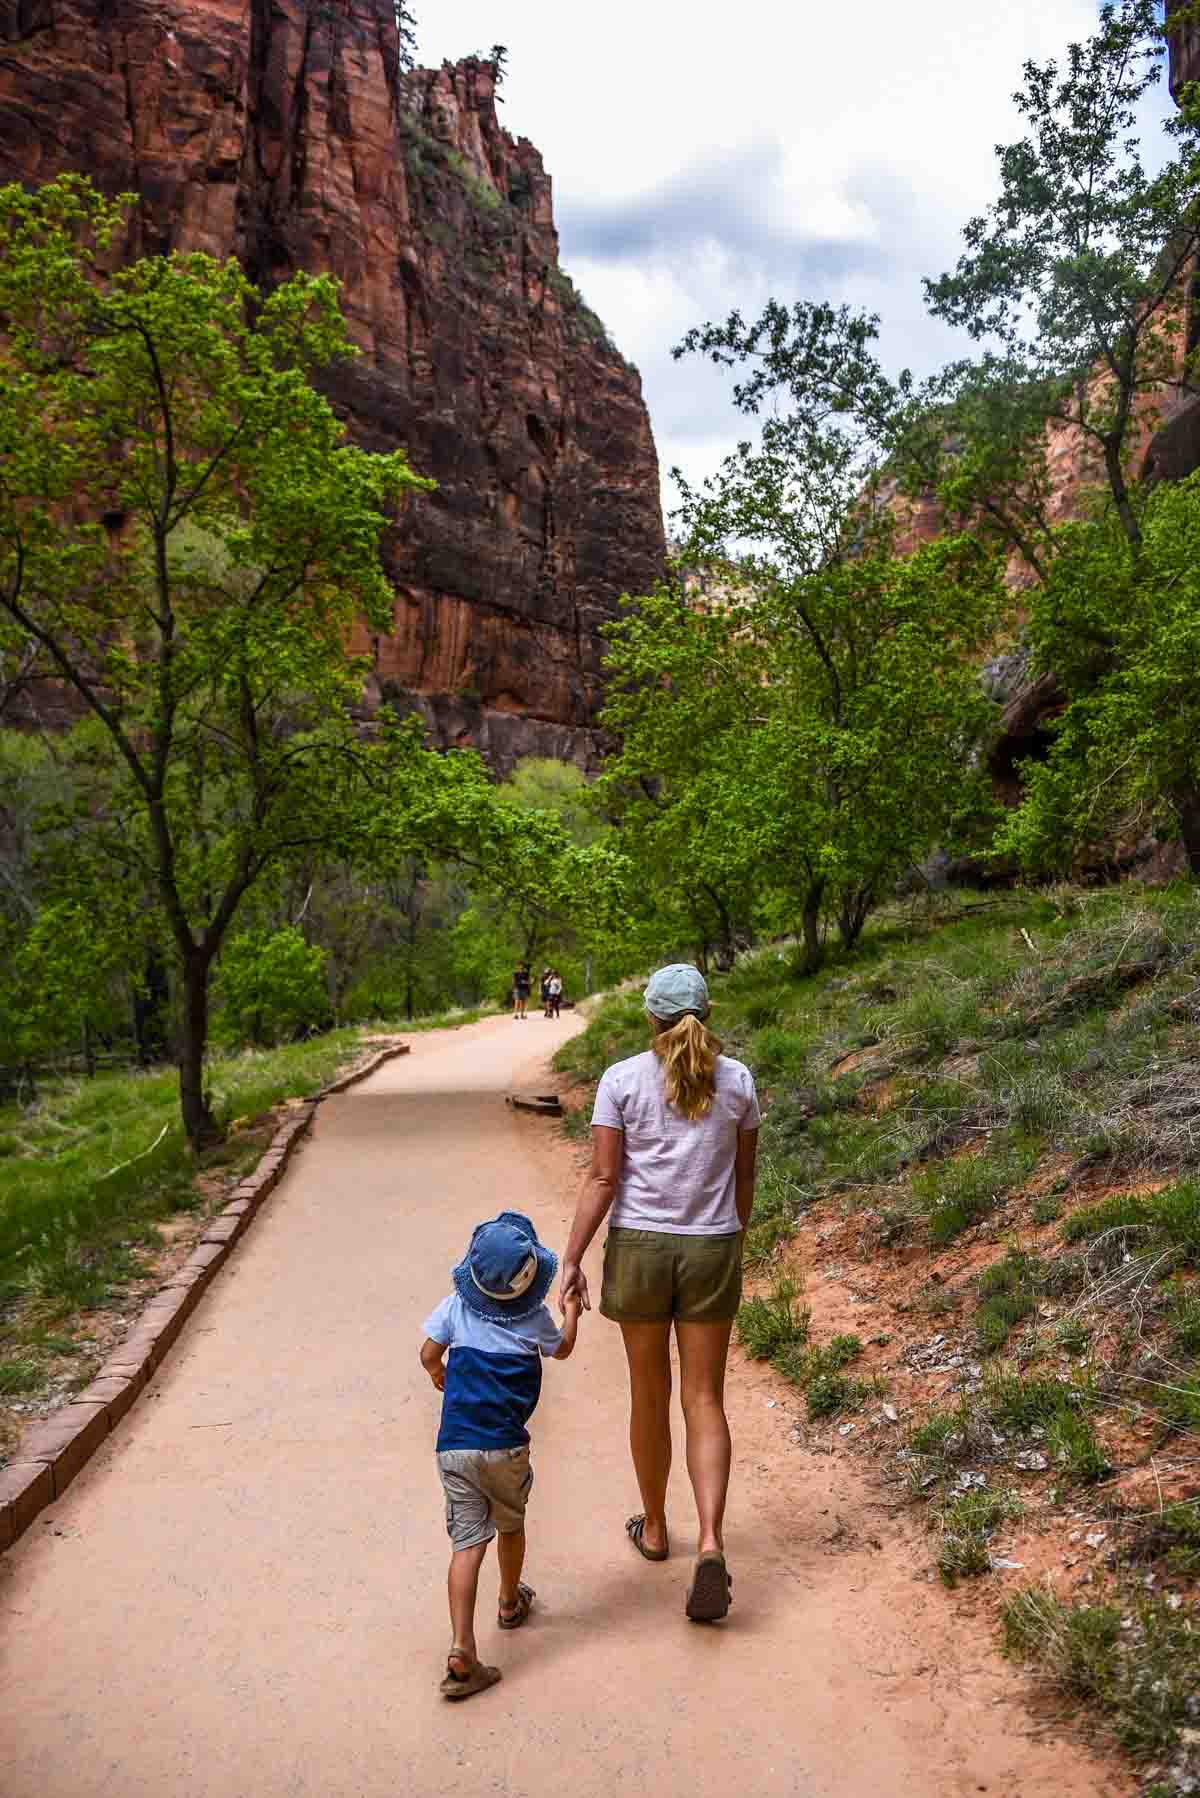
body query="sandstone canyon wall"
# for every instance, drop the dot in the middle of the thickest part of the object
(284, 131)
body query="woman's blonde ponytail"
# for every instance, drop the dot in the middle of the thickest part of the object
(688, 1051)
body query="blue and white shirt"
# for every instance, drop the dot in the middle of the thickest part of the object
(493, 1374)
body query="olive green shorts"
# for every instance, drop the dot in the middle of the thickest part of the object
(651, 1277)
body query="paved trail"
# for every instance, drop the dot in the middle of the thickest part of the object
(242, 1597)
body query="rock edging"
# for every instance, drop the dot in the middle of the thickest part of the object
(57, 1450)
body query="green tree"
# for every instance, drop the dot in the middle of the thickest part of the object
(1122, 633)
(271, 986)
(810, 737)
(1080, 269)
(185, 542)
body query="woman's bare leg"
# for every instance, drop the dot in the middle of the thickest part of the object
(648, 1351)
(703, 1352)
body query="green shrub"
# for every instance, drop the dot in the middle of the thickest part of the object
(766, 1326)
(271, 987)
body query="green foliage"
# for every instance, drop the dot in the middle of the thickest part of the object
(1119, 626)
(788, 731)
(767, 1325)
(186, 540)
(271, 987)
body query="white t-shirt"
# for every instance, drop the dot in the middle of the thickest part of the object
(677, 1175)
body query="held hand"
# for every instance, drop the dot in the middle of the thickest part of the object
(574, 1288)
(438, 1376)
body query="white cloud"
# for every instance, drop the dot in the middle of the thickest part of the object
(705, 158)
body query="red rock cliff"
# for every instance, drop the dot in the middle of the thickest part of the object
(284, 132)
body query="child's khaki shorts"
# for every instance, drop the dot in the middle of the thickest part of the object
(486, 1490)
(651, 1277)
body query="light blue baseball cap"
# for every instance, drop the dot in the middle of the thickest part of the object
(672, 991)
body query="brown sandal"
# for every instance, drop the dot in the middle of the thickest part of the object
(635, 1529)
(520, 1611)
(709, 1596)
(477, 1678)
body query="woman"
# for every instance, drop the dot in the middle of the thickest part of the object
(674, 1139)
(521, 986)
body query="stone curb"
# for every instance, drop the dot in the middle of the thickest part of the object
(56, 1451)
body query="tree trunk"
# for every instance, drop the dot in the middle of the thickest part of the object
(150, 1012)
(201, 1126)
(1187, 807)
(814, 948)
(855, 910)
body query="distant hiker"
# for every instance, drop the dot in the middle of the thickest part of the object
(521, 986)
(545, 992)
(674, 1140)
(496, 1327)
(555, 992)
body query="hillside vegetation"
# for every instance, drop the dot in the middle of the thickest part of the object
(975, 1250)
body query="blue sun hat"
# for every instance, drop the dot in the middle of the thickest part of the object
(675, 990)
(506, 1273)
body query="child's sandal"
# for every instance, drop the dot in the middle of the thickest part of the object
(520, 1610)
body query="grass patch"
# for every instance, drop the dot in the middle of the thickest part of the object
(19, 1377)
(766, 1327)
(961, 1192)
(1183, 1320)
(1165, 1224)
(1135, 1661)
(1008, 1291)
(102, 1161)
(776, 1329)
(966, 1523)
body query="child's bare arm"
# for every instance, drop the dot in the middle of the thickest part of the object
(572, 1306)
(432, 1355)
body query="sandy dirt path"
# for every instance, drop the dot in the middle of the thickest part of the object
(242, 1596)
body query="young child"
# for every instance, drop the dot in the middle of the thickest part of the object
(497, 1328)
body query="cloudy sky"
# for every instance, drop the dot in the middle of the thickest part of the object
(706, 157)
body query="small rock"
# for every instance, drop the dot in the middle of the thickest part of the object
(1094, 1538)
(770, 1404)
(1031, 1460)
(845, 1429)
(1174, 1602)
(891, 1414)
(1006, 1563)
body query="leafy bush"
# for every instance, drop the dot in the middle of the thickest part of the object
(272, 987)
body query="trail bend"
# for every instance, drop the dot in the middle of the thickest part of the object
(243, 1595)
